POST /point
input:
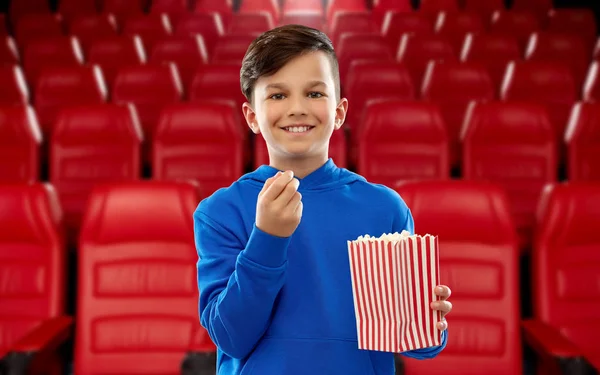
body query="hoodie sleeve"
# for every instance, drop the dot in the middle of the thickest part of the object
(405, 221)
(238, 283)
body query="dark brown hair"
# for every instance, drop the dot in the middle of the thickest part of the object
(270, 51)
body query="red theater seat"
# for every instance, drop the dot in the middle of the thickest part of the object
(123, 9)
(231, 48)
(9, 52)
(402, 140)
(382, 7)
(14, 86)
(513, 145)
(453, 86)
(577, 21)
(20, 139)
(270, 7)
(114, 53)
(334, 6)
(455, 26)
(567, 49)
(34, 26)
(149, 27)
(547, 83)
(90, 28)
(540, 8)
(149, 88)
(310, 18)
(565, 264)
(485, 7)
(187, 52)
(583, 143)
(209, 25)
(59, 88)
(493, 51)
(200, 142)
(137, 264)
(518, 24)
(479, 262)
(251, 22)
(50, 52)
(92, 145)
(361, 46)
(33, 265)
(591, 87)
(417, 50)
(351, 21)
(70, 9)
(396, 24)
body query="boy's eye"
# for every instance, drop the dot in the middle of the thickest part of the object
(315, 94)
(276, 96)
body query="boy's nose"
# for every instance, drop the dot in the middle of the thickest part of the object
(297, 107)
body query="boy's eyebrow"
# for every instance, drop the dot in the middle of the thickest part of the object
(281, 86)
(312, 84)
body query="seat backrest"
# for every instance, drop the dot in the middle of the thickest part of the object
(123, 9)
(453, 85)
(150, 27)
(32, 259)
(150, 87)
(479, 262)
(436, 6)
(33, 26)
(565, 261)
(231, 48)
(591, 86)
(396, 24)
(485, 7)
(92, 145)
(368, 80)
(538, 7)
(187, 52)
(20, 139)
(115, 52)
(251, 22)
(310, 18)
(567, 49)
(9, 52)
(518, 24)
(493, 51)
(201, 142)
(578, 21)
(357, 46)
(91, 27)
(415, 51)
(58, 88)
(218, 82)
(47, 52)
(513, 145)
(334, 6)
(583, 142)
(351, 21)
(14, 86)
(270, 7)
(137, 285)
(402, 140)
(455, 26)
(70, 9)
(545, 82)
(209, 25)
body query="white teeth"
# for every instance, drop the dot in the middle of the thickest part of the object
(298, 129)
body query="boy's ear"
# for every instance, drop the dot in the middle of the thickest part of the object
(250, 117)
(340, 113)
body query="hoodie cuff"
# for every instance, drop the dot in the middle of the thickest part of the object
(265, 249)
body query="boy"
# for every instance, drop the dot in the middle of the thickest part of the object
(273, 268)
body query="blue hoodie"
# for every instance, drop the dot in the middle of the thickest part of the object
(277, 305)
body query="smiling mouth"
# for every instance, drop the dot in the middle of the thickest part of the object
(298, 129)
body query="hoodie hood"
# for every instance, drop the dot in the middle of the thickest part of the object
(327, 176)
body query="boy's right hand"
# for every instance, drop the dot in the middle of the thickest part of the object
(279, 205)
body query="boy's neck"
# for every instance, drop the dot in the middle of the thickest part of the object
(300, 167)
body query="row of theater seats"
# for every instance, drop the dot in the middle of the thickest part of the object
(511, 143)
(137, 291)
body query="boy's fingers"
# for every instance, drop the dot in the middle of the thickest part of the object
(277, 186)
(288, 192)
(443, 306)
(268, 183)
(443, 325)
(443, 291)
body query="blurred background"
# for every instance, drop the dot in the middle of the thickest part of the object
(118, 116)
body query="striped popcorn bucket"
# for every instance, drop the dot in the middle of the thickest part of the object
(393, 281)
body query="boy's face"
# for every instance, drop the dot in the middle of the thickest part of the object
(296, 109)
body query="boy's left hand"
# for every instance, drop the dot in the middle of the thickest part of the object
(442, 305)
